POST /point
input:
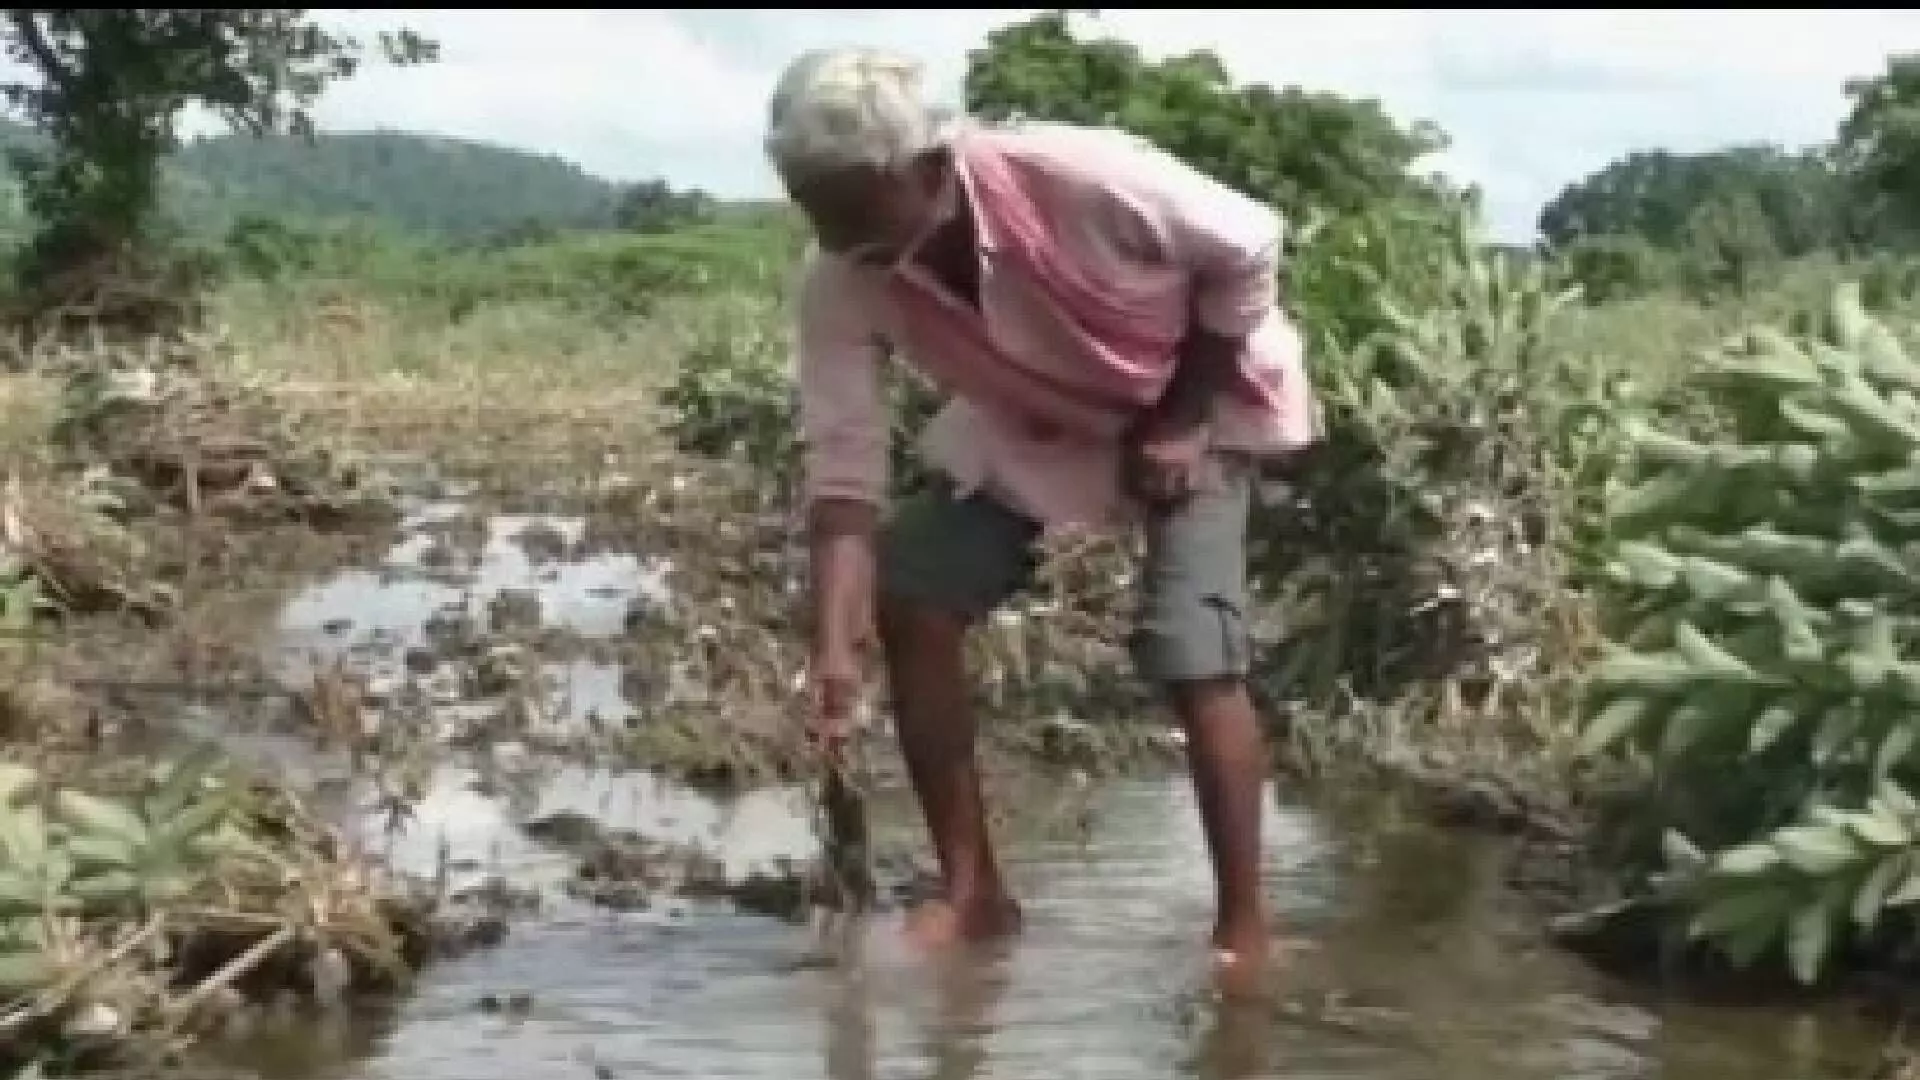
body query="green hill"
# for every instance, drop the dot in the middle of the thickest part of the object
(454, 188)
(425, 183)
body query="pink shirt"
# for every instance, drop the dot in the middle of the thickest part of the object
(1171, 243)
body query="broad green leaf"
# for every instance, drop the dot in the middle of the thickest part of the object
(1680, 852)
(192, 821)
(1830, 817)
(100, 815)
(1616, 721)
(23, 834)
(1767, 905)
(107, 887)
(1836, 733)
(20, 892)
(1894, 749)
(184, 784)
(1879, 831)
(102, 849)
(1871, 899)
(1908, 891)
(1809, 937)
(1746, 860)
(1707, 656)
(23, 973)
(14, 779)
(1690, 722)
(1816, 850)
(1774, 721)
(1744, 944)
(1896, 798)
(165, 888)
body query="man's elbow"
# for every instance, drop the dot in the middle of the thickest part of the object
(844, 490)
(1233, 301)
(1237, 283)
(841, 513)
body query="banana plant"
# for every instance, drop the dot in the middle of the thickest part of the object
(70, 854)
(1762, 663)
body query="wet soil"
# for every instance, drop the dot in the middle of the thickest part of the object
(560, 720)
(1404, 956)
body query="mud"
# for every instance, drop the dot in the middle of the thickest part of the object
(1405, 955)
(570, 727)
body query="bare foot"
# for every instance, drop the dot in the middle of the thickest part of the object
(937, 924)
(1241, 961)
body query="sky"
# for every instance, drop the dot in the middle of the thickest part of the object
(1531, 99)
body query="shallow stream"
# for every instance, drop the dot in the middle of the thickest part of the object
(1404, 954)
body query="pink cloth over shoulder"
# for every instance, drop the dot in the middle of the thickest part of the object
(1098, 252)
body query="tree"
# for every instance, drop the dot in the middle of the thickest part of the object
(1729, 242)
(1880, 138)
(1299, 150)
(108, 86)
(652, 206)
(1615, 267)
(1655, 196)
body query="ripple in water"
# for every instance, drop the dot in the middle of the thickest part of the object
(1402, 966)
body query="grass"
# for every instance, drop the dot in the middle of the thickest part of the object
(518, 386)
(28, 406)
(537, 374)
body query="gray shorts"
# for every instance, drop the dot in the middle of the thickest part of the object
(971, 554)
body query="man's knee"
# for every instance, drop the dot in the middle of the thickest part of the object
(909, 623)
(1192, 626)
(1191, 642)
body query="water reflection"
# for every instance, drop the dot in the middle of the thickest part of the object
(1412, 964)
(954, 1035)
(1235, 1043)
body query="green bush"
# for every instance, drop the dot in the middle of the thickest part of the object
(1424, 534)
(1763, 657)
(735, 399)
(603, 276)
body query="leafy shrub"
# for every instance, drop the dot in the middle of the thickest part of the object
(607, 277)
(1763, 650)
(735, 398)
(1617, 267)
(132, 907)
(1424, 536)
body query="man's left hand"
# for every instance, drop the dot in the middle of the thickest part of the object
(1164, 458)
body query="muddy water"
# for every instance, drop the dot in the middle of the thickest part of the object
(1404, 957)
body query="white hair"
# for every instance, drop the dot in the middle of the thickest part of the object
(841, 108)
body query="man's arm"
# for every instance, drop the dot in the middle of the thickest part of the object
(1205, 368)
(844, 432)
(1231, 246)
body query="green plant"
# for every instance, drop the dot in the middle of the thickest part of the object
(735, 398)
(1426, 525)
(1763, 656)
(138, 901)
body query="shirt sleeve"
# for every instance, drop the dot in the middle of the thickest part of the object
(1229, 242)
(844, 428)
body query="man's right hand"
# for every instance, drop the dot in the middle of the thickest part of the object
(843, 595)
(836, 684)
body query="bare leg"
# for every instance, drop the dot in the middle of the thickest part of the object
(1228, 759)
(933, 710)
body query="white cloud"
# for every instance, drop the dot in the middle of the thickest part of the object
(1532, 99)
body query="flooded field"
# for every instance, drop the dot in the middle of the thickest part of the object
(505, 645)
(1405, 959)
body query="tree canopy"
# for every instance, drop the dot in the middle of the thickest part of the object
(1297, 149)
(108, 85)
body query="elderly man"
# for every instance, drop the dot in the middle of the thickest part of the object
(1103, 320)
